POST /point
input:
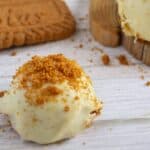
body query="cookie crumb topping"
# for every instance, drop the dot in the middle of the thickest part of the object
(40, 71)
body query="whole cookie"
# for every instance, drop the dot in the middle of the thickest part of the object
(29, 22)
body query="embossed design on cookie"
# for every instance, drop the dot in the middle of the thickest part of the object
(29, 22)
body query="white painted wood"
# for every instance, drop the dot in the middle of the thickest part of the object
(125, 121)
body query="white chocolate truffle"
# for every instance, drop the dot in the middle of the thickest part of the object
(50, 99)
(135, 18)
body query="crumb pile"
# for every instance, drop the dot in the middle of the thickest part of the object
(105, 59)
(123, 60)
(53, 69)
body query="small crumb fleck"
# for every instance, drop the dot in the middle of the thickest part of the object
(34, 119)
(66, 109)
(76, 98)
(122, 60)
(147, 83)
(79, 46)
(105, 59)
(2, 93)
(84, 143)
(142, 77)
(14, 53)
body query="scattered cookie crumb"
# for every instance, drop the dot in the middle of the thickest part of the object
(105, 59)
(2, 93)
(66, 109)
(76, 98)
(83, 143)
(147, 83)
(97, 49)
(80, 46)
(122, 60)
(142, 77)
(14, 53)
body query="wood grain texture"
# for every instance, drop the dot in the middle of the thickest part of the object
(139, 49)
(125, 121)
(104, 35)
(104, 22)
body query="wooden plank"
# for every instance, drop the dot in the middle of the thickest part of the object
(119, 94)
(106, 135)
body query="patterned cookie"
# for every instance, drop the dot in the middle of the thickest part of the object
(27, 22)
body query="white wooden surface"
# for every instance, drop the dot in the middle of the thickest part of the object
(125, 121)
